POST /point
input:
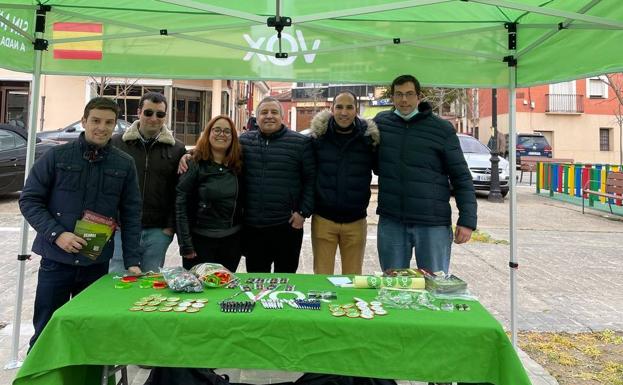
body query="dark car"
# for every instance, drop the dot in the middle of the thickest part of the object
(532, 145)
(13, 142)
(71, 132)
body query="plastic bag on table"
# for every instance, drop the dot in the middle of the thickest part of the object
(181, 280)
(213, 274)
(406, 298)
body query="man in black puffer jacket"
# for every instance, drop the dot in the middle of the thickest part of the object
(278, 172)
(345, 148)
(419, 153)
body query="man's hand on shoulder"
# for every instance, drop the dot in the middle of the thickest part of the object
(462, 234)
(182, 167)
(70, 242)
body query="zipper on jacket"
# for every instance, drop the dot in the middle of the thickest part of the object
(145, 172)
(84, 196)
(233, 213)
(263, 149)
(402, 169)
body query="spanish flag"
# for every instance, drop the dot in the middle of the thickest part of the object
(80, 50)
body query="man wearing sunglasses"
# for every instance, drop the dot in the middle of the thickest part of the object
(156, 155)
(418, 154)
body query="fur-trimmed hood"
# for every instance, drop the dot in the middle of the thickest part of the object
(320, 124)
(132, 133)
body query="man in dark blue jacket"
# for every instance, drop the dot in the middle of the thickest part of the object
(278, 171)
(419, 155)
(345, 148)
(87, 174)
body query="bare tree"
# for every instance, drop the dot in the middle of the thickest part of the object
(98, 86)
(615, 84)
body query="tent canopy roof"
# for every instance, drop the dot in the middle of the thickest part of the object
(443, 42)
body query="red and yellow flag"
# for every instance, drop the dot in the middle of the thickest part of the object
(80, 50)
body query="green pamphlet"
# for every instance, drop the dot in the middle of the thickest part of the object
(96, 230)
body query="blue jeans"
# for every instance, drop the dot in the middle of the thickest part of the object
(396, 241)
(57, 283)
(154, 243)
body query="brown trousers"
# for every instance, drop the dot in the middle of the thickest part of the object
(326, 235)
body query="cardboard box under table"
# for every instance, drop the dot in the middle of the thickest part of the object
(97, 328)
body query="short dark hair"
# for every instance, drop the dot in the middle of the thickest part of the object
(154, 97)
(349, 92)
(100, 103)
(402, 79)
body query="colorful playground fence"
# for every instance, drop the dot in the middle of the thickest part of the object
(570, 178)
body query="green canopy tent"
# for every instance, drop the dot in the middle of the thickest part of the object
(454, 43)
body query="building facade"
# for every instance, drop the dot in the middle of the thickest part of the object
(192, 103)
(581, 119)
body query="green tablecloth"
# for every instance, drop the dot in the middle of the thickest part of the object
(96, 328)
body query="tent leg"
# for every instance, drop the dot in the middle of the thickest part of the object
(33, 111)
(513, 201)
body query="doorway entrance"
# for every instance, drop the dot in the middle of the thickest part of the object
(14, 103)
(188, 114)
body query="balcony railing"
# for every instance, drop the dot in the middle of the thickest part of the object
(565, 103)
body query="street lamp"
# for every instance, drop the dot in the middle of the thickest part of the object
(495, 194)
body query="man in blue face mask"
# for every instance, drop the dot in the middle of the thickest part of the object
(419, 154)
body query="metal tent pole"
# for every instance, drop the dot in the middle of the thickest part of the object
(40, 45)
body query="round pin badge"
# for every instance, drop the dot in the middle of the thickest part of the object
(150, 308)
(367, 315)
(192, 310)
(165, 308)
(173, 299)
(198, 305)
(140, 303)
(338, 313)
(352, 314)
(376, 303)
(202, 300)
(380, 312)
(184, 304)
(180, 308)
(136, 308)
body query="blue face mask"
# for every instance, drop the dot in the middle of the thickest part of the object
(406, 117)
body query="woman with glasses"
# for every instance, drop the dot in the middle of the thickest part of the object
(208, 204)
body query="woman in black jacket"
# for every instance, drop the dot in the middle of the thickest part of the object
(208, 203)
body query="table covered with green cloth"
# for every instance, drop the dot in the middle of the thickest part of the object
(97, 328)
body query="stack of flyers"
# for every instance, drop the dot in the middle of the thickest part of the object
(96, 229)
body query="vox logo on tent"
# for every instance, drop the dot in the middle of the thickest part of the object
(297, 44)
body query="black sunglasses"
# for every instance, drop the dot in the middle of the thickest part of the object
(149, 113)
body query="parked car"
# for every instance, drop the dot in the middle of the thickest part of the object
(532, 145)
(13, 142)
(73, 131)
(478, 157)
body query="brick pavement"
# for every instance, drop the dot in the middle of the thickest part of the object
(568, 278)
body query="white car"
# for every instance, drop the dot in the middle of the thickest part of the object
(478, 157)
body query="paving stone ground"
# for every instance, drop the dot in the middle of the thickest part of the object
(568, 278)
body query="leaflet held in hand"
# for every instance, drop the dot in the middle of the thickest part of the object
(96, 229)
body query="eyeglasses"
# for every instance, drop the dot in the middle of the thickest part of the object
(150, 113)
(222, 131)
(400, 95)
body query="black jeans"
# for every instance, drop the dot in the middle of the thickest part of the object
(57, 283)
(226, 251)
(279, 245)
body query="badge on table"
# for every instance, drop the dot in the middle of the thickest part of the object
(96, 229)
